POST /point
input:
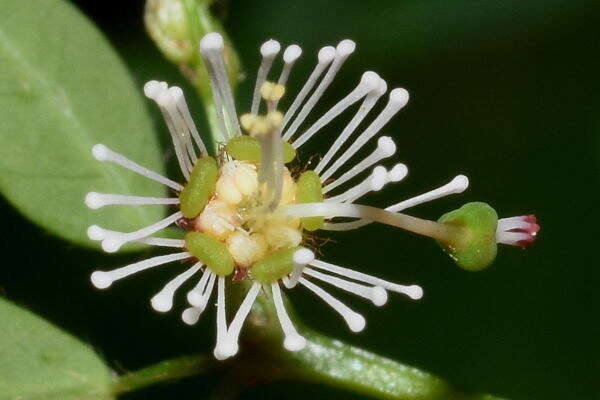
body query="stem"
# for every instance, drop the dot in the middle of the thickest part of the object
(165, 371)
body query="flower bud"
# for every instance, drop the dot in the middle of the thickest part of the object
(168, 25)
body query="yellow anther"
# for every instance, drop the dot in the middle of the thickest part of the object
(248, 121)
(271, 91)
(275, 119)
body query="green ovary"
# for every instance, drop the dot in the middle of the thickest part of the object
(210, 251)
(200, 187)
(309, 190)
(275, 266)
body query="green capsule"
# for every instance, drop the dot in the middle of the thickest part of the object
(309, 190)
(247, 148)
(200, 188)
(210, 251)
(275, 266)
(478, 249)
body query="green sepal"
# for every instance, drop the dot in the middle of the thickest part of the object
(275, 266)
(310, 190)
(200, 188)
(477, 248)
(247, 148)
(210, 251)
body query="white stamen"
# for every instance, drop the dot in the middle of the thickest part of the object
(221, 352)
(376, 294)
(290, 56)
(325, 57)
(182, 106)
(112, 243)
(354, 320)
(293, 340)
(229, 346)
(193, 313)
(413, 291)
(458, 185)
(397, 100)
(103, 153)
(511, 238)
(211, 48)
(103, 279)
(343, 51)
(196, 296)
(96, 200)
(268, 51)
(374, 182)
(366, 106)
(94, 232)
(301, 258)
(368, 82)
(385, 148)
(505, 224)
(163, 300)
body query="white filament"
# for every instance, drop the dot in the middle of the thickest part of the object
(385, 148)
(413, 291)
(189, 121)
(354, 320)
(94, 232)
(366, 106)
(113, 242)
(103, 153)
(343, 51)
(376, 294)
(511, 238)
(268, 51)
(96, 200)
(290, 56)
(229, 346)
(163, 300)
(373, 182)
(194, 312)
(196, 296)
(220, 352)
(369, 81)
(301, 258)
(397, 100)
(103, 279)
(293, 341)
(505, 224)
(325, 57)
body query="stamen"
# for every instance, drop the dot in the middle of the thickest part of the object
(290, 56)
(196, 296)
(354, 320)
(325, 57)
(458, 185)
(397, 100)
(343, 51)
(368, 82)
(413, 291)
(96, 200)
(443, 232)
(182, 106)
(94, 232)
(103, 279)
(211, 49)
(301, 258)
(163, 300)
(376, 294)
(293, 340)
(229, 346)
(268, 51)
(511, 238)
(517, 231)
(113, 243)
(103, 153)
(194, 312)
(191, 315)
(385, 148)
(366, 106)
(220, 352)
(373, 182)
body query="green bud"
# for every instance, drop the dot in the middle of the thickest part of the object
(210, 251)
(200, 187)
(168, 25)
(247, 148)
(476, 249)
(275, 266)
(310, 190)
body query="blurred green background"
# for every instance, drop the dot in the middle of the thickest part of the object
(503, 91)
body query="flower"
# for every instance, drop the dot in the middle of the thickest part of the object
(249, 218)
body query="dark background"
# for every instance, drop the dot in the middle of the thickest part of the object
(504, 91)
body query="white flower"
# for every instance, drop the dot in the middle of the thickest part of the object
(247, 215)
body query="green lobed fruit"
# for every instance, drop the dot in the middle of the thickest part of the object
(478, 249)
(275, 266)
(247, 148)
(210, 251)
(310, 190)
(200, 188)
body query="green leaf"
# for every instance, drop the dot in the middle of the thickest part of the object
(63, 89)
(41, 362)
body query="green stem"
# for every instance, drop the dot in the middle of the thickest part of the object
(165, 371)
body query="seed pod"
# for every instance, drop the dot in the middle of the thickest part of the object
(200, 188)
(275, 266)
(247, 148)
(210, 251)
(309, 190)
